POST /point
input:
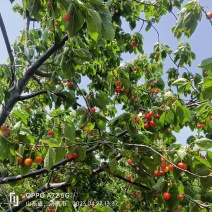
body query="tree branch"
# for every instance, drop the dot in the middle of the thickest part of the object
(21, 98)
(43, 73)
(15, 93)
(9, 50)
(43, 170)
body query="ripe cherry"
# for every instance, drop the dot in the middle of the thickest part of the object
(64, 80)
(69, 84)
(49, 4)
(166, 196)
(137, 121)
(162, 172)
(209, 15)
(118, 83)
(66, 17)
(152, 123)
(129, 161)
(93, 110)
(19, 159)
(3, 128)
(126, 91)
(69, 156)
(182, 165)
(180, 196)
(56, 24)
(171, 167)
(135, 68)
(148, 116)
(162, 166)
(133, 97)
(28, 161)
(156, 173)
(152, 85)
(211, 118)
(75, 155)
(151, 113)
(38, 159)
(146, 125)
(157, 116)
(50, 132)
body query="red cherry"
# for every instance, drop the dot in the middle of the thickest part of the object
(69, 156)
(185, 166)
(90, 133)
(49, 4)
(162, 172)
(126, 91)
(166, 196)
(118, 83)
(146, 125)
(19, 159)
(66, 17)
(157, 116)
(151, 113)
(209, 15)
(182, 166)
(50, 132)
(156, 173)
(129, 161)
(56, 24)
(202, 156)
(152, 85)
(162, 166)
(171, 167)
(38, 159)
(133, 97)
(135, 68)
(180, 196)
(3, 128)
(93, 110)
(69, 84)
(75, 155)
(211, 118)
(64, 80)
(137, 121)
(28, 161)
(148, 116)
(87, 110)
(152, 124)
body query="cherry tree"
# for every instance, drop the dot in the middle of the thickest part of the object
(65, 145)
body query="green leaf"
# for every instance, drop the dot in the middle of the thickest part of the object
(159, 185)
(206, 63)
(96, 2)
(204, 143)
(207, 93)
(180, 187)
(49, 159)
(179, 81)
(94, 23)
(82, 153)
(69, 132)
(113, 165)
(107, 27)
(60, 154)
(76, 22)
(83, 53)
(80, 111)
(181, 153)
(5, 148)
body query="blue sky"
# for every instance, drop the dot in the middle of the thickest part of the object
(200, 42)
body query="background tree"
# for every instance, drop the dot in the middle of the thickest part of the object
(73, 157)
